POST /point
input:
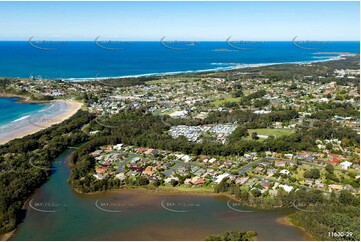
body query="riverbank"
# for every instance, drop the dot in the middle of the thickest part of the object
(7, 236)
(59, 111)
(286, 221)
(193, 191)
(183, 191)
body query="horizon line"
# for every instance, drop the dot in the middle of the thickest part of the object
(171, 40)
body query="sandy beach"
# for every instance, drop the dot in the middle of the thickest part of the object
(57, 112)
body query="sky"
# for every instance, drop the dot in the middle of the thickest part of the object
(198, 21)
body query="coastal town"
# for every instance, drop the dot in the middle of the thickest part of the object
(180, 121)
(274, 171)
(261, 135)
(332, 166)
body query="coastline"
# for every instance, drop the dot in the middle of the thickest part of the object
(23, 127)
(162, 190)
(233, 67)
(23, 99)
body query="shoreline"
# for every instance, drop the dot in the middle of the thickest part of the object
(7, 236)
(25, 127)
(231, 67)
(171, 191)
(191, 191)
(23, 99)
(286, 221)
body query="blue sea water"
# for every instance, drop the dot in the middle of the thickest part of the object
(11, 110)
(93, 59)
(66, 60)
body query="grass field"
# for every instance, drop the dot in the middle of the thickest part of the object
(201, 189)
(218, 103)
(275, 132)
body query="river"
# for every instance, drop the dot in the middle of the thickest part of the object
(56, 212)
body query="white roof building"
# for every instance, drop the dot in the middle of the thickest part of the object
(118, 146)
(345, 165)
(285, 172)
(286, 188)
(179, 113)
(221, 177)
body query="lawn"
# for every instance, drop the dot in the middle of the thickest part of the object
(218, 103)
(184, 188)
(268, 132)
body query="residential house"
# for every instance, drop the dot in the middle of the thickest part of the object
(220, 178)
(258, 169)
(149, 171)
(266, 184)
(335, 187)
(241, 180)
(280, 163)
(345, 165)
(106, 147)
(118, 147)
(285, 172)
(287, 188)
(100, 170)
(334, 159)
(121, 176)
(319, 184)
(96, 153)
(271, 171)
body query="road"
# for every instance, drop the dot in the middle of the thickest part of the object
(245, 168)
(121, 165)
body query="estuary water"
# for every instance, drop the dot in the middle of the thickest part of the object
(56, 212)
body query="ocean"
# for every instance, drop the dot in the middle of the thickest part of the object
(96, 59)
(11, 111)
(101, 58)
